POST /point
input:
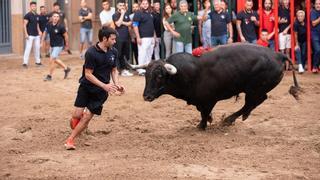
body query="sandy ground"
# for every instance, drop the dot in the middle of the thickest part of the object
(134, 139)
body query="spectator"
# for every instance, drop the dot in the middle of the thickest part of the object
(315, 33)
(284, 28)
(268, 21)
(182, 31)
(57, 33)
(144, 30)
(157, 27)
(63, 19)
(86, 32)
(246, 22)
(122, 21)
(135, 8)
(205, 26)
(263, 40)
(173, 4)
(224, 6)
(106, 14)
(43, 21)
(32, 34)
(300, 34)
(167, 36)
(220, 24)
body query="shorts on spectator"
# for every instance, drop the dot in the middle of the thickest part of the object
(284, 41)
(55, 51)
(92, 98)
(86, 34)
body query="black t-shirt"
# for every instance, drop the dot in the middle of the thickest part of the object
(123, 30)
(43, 21)
(62, 16)
(87, 23)
(145, 23)
(284, 13)
(301, 30)
(56, 34)
(32, 26)
(101, 63)
(248, 26)
(219, 22)
(157, 23)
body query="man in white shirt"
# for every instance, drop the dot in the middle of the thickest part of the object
(106, 14)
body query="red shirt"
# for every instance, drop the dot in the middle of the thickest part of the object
(268, 21)
(263, 43)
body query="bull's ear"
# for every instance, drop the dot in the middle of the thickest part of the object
(170, 69)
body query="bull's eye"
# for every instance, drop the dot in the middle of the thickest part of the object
(158, 78)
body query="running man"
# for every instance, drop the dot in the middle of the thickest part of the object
(95, 86)
(58, 35)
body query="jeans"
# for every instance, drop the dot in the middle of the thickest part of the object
(86, 34)
(271, 44)
(316, 49)
(301, 53)
(219, 40)
(156, 52)
(181, 47)
(36, 49)
(252, 41)
(167, 38)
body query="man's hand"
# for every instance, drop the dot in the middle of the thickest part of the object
(110, 88)
(230, 40)
(297, 47)
(242, 39)
(176, 34)
(120, 89)
(139, 41)
(253, 18)
(26, 36)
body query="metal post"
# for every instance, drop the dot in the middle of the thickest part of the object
(276, 25)
(308, 35)
(196, 33)
(292, 33)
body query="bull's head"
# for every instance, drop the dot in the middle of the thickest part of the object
(156, 75)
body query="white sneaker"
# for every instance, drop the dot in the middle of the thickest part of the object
(126, 73)
(141, 72)
(301, 69)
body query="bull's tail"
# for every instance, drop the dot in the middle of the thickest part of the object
(295, 89)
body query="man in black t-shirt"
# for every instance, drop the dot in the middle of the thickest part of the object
(284, 28)
(157, 27)
(220, 25)
(144, 29)
(86, 31)
(95, 85)
(32, 34)
(122, 21)
(58, 35)
(247, 20)
(43, 21)
(300, 34)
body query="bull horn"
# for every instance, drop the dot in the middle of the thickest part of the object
(171, 69)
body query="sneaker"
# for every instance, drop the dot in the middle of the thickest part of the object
(315, 70)
(39, 64)
(25, 65)
(301, 69)
(81, 56)
(48, 78)
(141, 72)
(69, 145)
(48, 55)
(126, 73)
(74, 122)
(69, 52)
(66, 72)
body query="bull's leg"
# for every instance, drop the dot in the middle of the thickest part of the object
(251, 102)
(254, 101)
(205, 115)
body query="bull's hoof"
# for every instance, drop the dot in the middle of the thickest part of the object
(229, 121)
(202, 127)
(210, 119)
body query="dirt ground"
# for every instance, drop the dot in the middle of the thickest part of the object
(134, 139)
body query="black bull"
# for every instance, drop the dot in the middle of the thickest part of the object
(217, 75)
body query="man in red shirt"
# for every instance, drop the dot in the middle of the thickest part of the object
(263, 39)
(268, 21)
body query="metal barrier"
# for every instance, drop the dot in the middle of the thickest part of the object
(5, 26)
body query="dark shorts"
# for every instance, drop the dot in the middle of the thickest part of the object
(91, 98)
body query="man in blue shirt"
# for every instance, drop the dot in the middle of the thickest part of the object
(315, 35)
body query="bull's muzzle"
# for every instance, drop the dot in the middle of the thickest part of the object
(148, 98)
